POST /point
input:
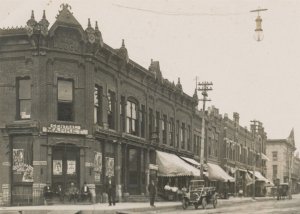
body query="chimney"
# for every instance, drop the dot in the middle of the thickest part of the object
(236, 117)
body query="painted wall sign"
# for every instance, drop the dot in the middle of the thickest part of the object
(39, 163)
(65, 129)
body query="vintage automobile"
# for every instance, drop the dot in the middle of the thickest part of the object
(198, 195)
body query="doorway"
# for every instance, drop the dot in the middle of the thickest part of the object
(65, 166)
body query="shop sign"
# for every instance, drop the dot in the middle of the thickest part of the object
(39, 163)
(65, 129)
(5, 163)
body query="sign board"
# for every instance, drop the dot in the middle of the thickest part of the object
(65, 129)
(153, 166)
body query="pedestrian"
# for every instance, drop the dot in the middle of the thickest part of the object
(73, 192)
(152, 192)
(111, 191)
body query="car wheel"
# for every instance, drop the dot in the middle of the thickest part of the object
(204, 203)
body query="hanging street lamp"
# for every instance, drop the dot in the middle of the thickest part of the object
(259, 36)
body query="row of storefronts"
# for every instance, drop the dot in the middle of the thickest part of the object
(77, 111)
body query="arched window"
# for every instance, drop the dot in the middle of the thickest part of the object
(132, 117)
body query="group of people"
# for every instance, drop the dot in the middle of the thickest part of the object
(74, 194)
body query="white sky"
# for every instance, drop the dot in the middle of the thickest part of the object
(211, 39)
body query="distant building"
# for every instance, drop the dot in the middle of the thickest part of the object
(282, 161)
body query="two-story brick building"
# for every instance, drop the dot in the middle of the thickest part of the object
(74, 109)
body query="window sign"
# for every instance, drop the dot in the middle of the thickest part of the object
(71, 170)
(57, 167)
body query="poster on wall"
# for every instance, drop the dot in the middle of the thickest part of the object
(57, 167)
(71, 170)
(18, 160)
(98, 162)
(28, 174)
(97, 177)
(109, 166)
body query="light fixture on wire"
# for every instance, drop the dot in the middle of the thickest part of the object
(259, 35)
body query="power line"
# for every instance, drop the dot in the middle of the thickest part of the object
(166, 13)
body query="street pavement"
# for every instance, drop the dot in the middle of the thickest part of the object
(232, 205)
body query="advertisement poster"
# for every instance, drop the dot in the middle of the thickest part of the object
(57, 167)
(18, 160)
(97, 177)
(109, 166)
(28, 174)
(71, 170)
(98, 162)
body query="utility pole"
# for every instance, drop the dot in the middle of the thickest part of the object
(255, 126)
(204, 87)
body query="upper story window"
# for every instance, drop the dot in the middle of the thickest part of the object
(98, 104)
(275, 156)
(177, 133)
(164, 129)
(23, 98)
(111, 98)
(171, 131)
(122, 113)
(275, 171)
(157, 119)
(65, 111)
(132, 125)
(189, 146)
(182, 136)
(151, 119)
(143, 120)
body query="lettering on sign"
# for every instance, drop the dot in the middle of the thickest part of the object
(6, 164)
(65, 129)
(39, 163)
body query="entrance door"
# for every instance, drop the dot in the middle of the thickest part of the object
(134, 171)
(65, 166)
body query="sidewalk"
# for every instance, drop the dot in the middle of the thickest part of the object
(119, 208)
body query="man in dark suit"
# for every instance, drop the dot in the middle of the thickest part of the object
(152, 192)
(111, 191)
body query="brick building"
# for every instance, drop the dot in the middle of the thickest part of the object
(73, 109)
(282, 164)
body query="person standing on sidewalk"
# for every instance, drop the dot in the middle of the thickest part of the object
(111, 191)
(152, 192)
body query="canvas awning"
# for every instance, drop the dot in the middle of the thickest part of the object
(259, 176)
(194, 163)
(264, 157)
(216, 173)
(170, 165)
